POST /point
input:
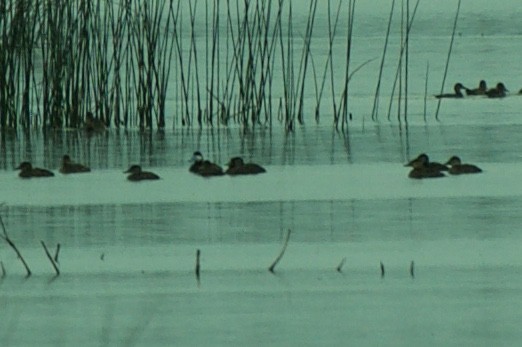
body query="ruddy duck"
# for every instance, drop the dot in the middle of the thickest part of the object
(94, 125)
(28, 171)
(136, 174)
(498, 92)
(458, 92)
(481, 90)
(423, 161)
(203, 167)
(237, 166)
(422, 170)
(68, 166)
(457, 168)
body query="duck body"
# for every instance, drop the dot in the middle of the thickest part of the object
(423, 161)
(94, 125)
(498, 92)
(137, 174)
(70, 167)
(457, 168)
(28, 171)
(203, 167)
(423, 168)
(424, 172)
(481, 90)
(458, 92)
(237, 166)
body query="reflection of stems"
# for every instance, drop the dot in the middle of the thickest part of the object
(3, 269)
(51, 259)
(382, 269)
(198, 253)
(271, 268)
(10, 243)
(412, 269)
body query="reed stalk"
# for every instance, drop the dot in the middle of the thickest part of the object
(448, 58)
(280, 256)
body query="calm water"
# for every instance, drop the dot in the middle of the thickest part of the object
(128, 250)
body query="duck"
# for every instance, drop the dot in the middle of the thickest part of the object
(498, 92)
(457, 168)
(203, 167)
(94, 125)
(69, 167)
(27, 171)
(458, 92)
(423, 161)
(421, 170)
(137, 174)
(481, 90)
(237, 166)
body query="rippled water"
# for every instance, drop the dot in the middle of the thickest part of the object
(128, 250)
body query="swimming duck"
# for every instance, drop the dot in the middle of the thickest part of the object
(28, 171)
(68, 166)
(423, 161)
(498, 92)
(481, 90)
(422, 170)
(457, 168)
(93, 125)
(237, 166)
(136, 174)
(203, 167)
(458, 92)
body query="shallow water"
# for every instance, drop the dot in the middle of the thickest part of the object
(128, 249)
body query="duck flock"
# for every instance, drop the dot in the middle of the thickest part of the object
(422, 167)
(499, 91)
(200, 166)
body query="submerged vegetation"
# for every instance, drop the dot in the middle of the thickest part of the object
(215, 62)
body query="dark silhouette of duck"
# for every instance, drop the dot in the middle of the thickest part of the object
(203, 167)
(69, 167)
(457, 168)
(423, 161)
(137, 174)
(28, 171)
(481, 90)
(237, 166)
(94, 125)
(421, 170)
(458, 92)
(498, 92)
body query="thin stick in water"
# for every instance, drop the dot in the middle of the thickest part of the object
(56, 253)
(412, 269)
(3, 269)
(51, 259)
(271, 268)
(382, 270)
(341, 264)
(13, 246)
